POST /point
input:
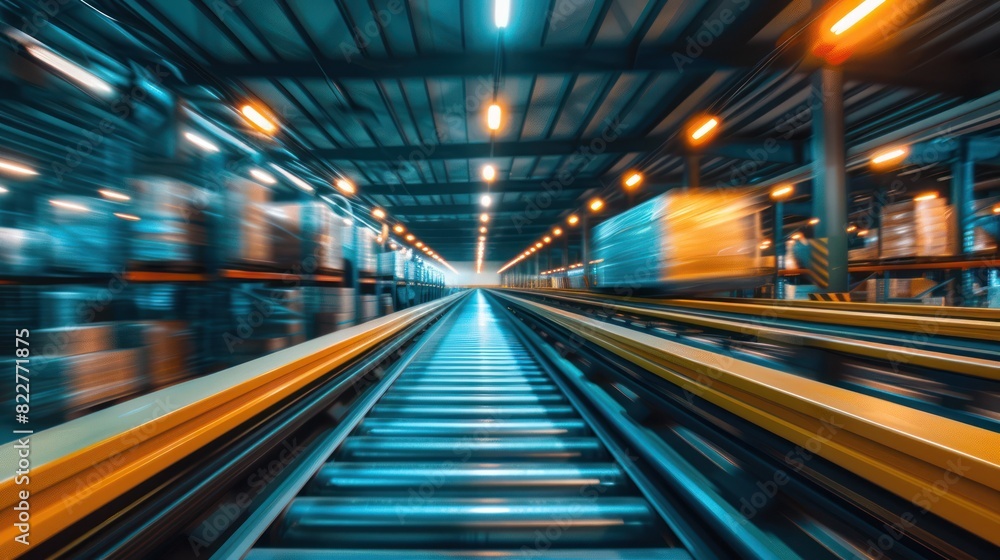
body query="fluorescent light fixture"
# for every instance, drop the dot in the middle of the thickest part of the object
(704, 129)
(493, 115)
(410, 237)
(69, 205)
(258, 120)
(345, 186)
(201, 142)
(813, 221)
(295, 180)
(263, 176)
(782, 192)
(489, 173)
(889, 155)
(113, 195)
(378, 213)
(129, 217)
(399, 228)
(486, 200)
(855, 15)
(16, 168)
(633, 180)
(573, 219)
(501, 13)
(925, 196)
(596, 204)
(71, 70)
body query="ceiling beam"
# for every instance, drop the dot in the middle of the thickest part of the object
(772, 150)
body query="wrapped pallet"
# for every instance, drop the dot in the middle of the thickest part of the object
(248, 243)
(918, 228)
(83, 235)
(692, 240)
(172, 226)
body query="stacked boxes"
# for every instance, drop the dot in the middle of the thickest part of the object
(918, 228)
(333, 307)
(83, 236)
(249, 243)
(365, 251)
(265, 319)
(172, 228)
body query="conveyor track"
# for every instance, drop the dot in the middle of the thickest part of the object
(472, 450)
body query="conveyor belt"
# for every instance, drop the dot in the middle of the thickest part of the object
(472, 450)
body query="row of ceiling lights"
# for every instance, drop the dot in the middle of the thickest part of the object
(702, 129)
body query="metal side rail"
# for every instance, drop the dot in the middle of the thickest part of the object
(951, 468)
(93, 471)
(466, 449)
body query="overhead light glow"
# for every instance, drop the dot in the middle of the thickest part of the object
(345, 186)
(538, 245)
(813, 221)
(482, 229)
(113, 195)
(501, 13)
(533, 249)
(557, 232)
(596, 204)
(258, 120)
(573, 219)
(493, 117)
(399, 228)
(889, 155)
(201, 142)
(16, 168)
(863, 233)
(996, 209)
(705, 128)
(547, 239)
(263, 176)
(3, 190)
(419, 244)
(69, 205)
(410, 237)
(129, 217)
(633, 180)
(485, 200)
(852, 228)
(782, 192)
(378, 213)
(796, 236)
(489, 173)
(72, 71)
(481, 238)
(855, 15)
(295, 180)
(484, 218)
(926, 196)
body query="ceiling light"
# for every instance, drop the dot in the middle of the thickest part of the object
(16, 168)
(493, 117)
(263, 176)
(485, 200)
(129, 217)
(501, 13)
(482, 229)
(69, 205)
(538, 245)
(419, 244)
(557, 232)
(702, 131)
(201, 142)
(633, 180)
(926, 196)
(71, 70)
(345, 186)
(889, 155)
(258, 120)
(547, 239)
(596, 204)
(399, 228)
(410, 237)
(782, 192)
(295, 180)
(855, 15)
(113, 195)
(378, 213)
(573, 219)
(813, 221)
(484, 218)
(489, 173)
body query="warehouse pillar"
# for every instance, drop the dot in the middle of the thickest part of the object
(963, 183)
(829, 248)
(692, 171)
(585, 251)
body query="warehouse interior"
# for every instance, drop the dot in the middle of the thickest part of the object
(605, 279)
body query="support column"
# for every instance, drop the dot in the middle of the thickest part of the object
(585, 250)
(829, 249)
(779, 249)
(963, 183)
(692, 171)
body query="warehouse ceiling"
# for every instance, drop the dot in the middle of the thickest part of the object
(392, 94)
